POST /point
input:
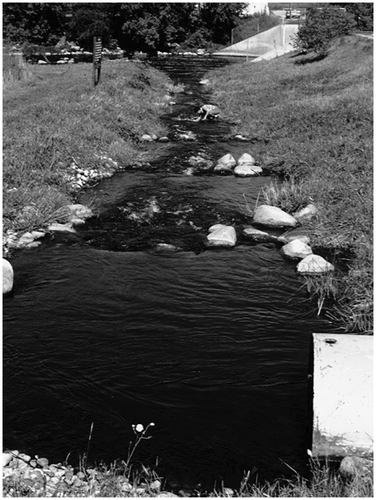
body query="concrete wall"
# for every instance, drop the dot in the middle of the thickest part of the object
(262, 43)
(343, 395)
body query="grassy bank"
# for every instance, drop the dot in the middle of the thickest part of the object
(52, 115)
(312, 121)
(121, 480)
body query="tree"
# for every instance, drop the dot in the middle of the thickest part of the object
(320, 27)
(220, 18)
(150, 27)
(362, 12)
(89, 20)
(36, 23)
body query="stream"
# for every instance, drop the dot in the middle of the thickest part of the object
(110, 327)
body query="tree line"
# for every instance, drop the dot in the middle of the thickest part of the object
(145, 27)
(323, 24)
(152, 27)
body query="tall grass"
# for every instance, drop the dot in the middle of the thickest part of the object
(311, 121)
(323, 483)
(56, 116)
(118, 481)
(15, 69)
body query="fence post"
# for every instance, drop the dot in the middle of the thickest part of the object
(97, 58)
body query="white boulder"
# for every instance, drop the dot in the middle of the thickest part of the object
(7, 457)
(267, 215)
(225, 165)
(258, 236)
(64, 228)
(314, 264)
(295, 234)
(240, 137)
(227, 160)
(222, 236)
(353, 467)
(80, 211)
(246, 170)
(146, 138)
(306, 213)
(166, 247)
(246, 158)
(296, 249)
(25, 240)
(38, 234)
(8, 276)
(215, 227)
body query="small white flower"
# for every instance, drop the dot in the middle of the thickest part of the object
(309, 453)
(152, 424)
(139, 428)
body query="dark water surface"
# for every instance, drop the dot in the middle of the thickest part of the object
(211, 345)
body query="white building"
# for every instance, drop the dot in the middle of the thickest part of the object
(256, 8)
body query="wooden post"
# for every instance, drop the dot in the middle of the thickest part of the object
(97, 59)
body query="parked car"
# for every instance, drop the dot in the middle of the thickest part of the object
(293, 14)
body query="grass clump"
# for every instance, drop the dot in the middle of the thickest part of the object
(56, 117)
(126, 478)
(15, 69)
(323, 482)
(311, 121)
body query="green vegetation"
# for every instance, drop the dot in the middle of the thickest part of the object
(323, 483)
(33, 477)
(311, 121)
(124, 479)
(146, 27)
(53, 116)
(320, 27)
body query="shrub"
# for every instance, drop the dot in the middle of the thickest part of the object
(320, 27)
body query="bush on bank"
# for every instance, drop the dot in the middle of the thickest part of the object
(311, 120)
(53, 116)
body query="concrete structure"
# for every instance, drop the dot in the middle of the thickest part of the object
(276, 40)
(276, 52)
(343, 395)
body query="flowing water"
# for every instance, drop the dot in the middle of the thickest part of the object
(212, 345)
